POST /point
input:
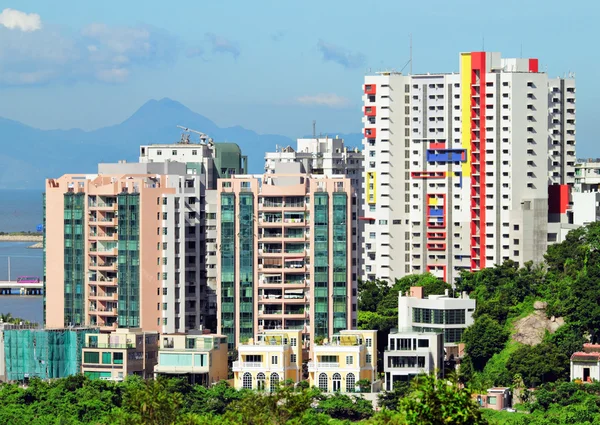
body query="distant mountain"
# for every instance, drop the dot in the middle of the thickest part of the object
(29, 155)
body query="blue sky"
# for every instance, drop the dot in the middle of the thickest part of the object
(270, 66)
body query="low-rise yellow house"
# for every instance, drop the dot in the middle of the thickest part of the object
(118, 354)
(275, 356)
(339, 364)
(200, 358)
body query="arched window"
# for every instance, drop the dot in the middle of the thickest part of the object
(274, 381)
(260, 381)
(247, 381)
(337, 382)
(323, 382)
(350, 383)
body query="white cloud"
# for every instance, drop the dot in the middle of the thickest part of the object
(326, 99)
(98, 53)
(15, 19)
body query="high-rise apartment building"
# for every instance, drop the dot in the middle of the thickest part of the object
(325, 156)
(285, 255)
(209, 161)
(122, 249)
(329, 157)
(458, 166)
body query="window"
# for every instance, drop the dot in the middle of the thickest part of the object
(106, 358)
(274, 381)
(423, 343)
(349, 360)
(293, 358)
(368, 358)
(118, 358)
(337, 382)
(371, 235)
(293, 342)
(369, 342)
(350, 383)
(247, 381)
(91, 357)
(260, 381)
(323, 382)
(273, 359)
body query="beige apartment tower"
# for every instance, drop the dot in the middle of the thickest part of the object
(285, 254)
(120, 249)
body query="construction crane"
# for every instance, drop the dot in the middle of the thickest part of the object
(203, 137)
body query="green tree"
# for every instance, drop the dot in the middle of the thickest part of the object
(483, 339)
(538, 364)
(391, 399)
(371, 293)
(149, 403)
(286, 403)
(342, 406)
(431, 284)
(435, 401)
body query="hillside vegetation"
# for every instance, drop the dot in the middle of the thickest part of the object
(566, 282)
(77, 400)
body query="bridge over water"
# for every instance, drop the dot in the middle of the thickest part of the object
(8, 287)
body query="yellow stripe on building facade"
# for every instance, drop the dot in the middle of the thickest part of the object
(465, 95)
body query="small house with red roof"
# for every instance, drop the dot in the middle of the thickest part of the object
(585, 365)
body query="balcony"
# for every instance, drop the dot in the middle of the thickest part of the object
(108, 327)
(112, 266)
(291, 299)
(105, 297)
(240, 366)
(295, 222)
(109, 345)
(296, 314)
(101, 236)
(297, 283)
(107, 222)
(106, 252)
(102, 311)
(104, 282)
(269, 297)
(267, 236)
(315, 366)
(103, 206)
(270, 312)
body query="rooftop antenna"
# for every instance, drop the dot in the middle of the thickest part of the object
(411, 59)
(483, 43)
(521, 50)
(203, 137)
(314, 129)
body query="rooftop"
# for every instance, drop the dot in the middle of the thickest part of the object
(580, 355)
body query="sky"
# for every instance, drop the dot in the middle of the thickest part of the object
(269, 66)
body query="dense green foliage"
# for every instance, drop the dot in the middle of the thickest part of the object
(484, 338)
(567, 281)
(556, 404)
(77, 400)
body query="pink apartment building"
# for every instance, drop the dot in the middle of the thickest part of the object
(118, 250)
(285, 254)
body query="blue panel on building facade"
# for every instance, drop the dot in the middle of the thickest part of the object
(446, 155)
